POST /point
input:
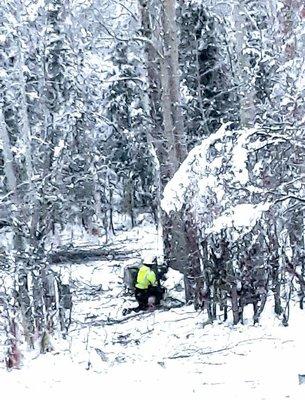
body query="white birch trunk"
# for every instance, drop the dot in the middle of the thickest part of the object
(243, 70)
(8, 156)
(171, 82)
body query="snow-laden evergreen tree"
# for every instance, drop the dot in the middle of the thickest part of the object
(127, 147)
(206, 77)
(19, 167)
(37, 106)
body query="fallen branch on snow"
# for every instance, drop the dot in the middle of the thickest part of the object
(198, 352)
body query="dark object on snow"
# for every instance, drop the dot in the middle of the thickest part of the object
(3, 224)
(65, 297)
(301, 379)
(130, 277)
(167, 304)
(148, 299)
(65, 307)
(69, 254)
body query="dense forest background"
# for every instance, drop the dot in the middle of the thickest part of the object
(189, 111)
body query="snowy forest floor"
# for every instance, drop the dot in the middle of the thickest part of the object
(165, 354)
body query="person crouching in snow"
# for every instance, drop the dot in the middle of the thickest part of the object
(148, 291)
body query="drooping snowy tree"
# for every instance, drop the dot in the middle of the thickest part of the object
(206, 79)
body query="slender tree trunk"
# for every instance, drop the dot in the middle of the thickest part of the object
(276, 290)
(19, 249)
(111, 224)
(235, 305)
(246, 92)
(172, 80)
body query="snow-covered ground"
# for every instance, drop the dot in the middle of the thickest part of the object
(165, 354)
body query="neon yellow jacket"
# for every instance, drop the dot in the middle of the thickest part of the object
(145, 278)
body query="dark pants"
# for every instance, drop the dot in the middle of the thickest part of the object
(157, 292)
(142, 296)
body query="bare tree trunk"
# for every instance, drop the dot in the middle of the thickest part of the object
(235, 305)
(111, 224)
(276, 289)
(171, 80)
(20, 262)
(8, 156)
(13, 356)
(40, 214)
(179, 235)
